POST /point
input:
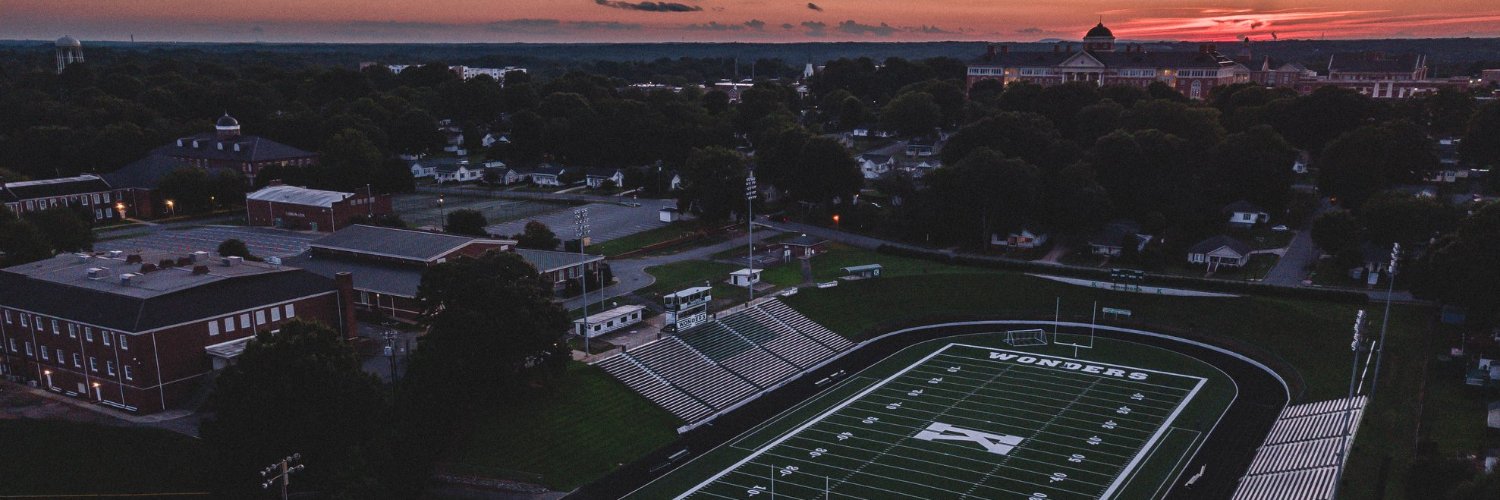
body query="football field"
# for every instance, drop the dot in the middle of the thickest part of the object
(967, 420)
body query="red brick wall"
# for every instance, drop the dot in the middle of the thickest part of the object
(176, 351)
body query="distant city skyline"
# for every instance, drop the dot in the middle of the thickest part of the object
(734, 20)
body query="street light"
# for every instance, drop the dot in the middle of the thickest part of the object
(171, 207)
(120, 207)
(444, 212)
(1343, 451)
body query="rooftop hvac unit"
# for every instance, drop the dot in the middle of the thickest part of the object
(115, 254)
(231, 261)
(82, 257)
(97, 272)
(275, 261)
(127, 278)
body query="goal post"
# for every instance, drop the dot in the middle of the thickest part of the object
(1025, 338)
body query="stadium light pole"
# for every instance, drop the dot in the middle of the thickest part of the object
(581, 221)
(1384, 323)
(750, 195)
(1338, 476)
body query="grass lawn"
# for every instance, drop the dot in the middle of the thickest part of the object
(64, 458)
(828, 266)
(690, 273)
(618, 246)
(1312, 337)
(589, 428)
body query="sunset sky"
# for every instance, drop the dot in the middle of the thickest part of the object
(735, 20)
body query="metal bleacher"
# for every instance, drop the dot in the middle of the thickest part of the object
(654, 388)
(1299, 459)
(713, 366)
(797, 321)
(689, 370)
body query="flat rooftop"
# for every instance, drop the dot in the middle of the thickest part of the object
(102, 272)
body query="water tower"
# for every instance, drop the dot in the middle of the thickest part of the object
(69, 51)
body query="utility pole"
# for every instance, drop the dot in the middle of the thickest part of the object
(390, 337)
(1384, 323)
(750, 195)
(281, 471)
(1338, 476)
(581, 222)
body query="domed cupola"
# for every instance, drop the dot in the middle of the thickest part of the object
(227, 127)
(1099, 38)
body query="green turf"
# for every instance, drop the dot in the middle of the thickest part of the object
(570, 438)
(1057, 412)
(690, 273)
(63, 458)
(1312, 337)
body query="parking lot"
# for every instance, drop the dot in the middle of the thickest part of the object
(422, 210)
(263, 242)
(607, 221)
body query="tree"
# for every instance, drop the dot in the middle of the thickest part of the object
(1396, 217)
(234, 247)
(492, 324)
(20, 240)
(1014, 134)
(1463, 267)
(1336, 231)
(63, 228)
(982, 195)
(538, 236)
(188, 188)
(466, 222)
(912, 113)
(713, 182)
(297, 391)
(1374, 157)
(824, 171)
(348, 159)
(1480, 146)
(1255, 165)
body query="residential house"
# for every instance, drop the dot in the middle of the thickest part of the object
(868, 130)
(422, 169)
(875, 166)
(453, 137)
(1243, 214)
(1111, 240)
(456, 170)
(140, 332)
(921, 147)
(1219, 251)
(547, 175)
(494, 138)
(87, 193)
(496, 173)
(597, 177)
(1024, 238)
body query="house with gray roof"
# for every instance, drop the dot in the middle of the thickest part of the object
(1219, 251)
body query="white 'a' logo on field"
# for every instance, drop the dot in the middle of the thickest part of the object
(999, 444)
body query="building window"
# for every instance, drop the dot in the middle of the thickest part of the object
(93, 364)
(13, 346)
(104, 337)
(127, 373)
(44, 352)
(60, 358)
(275, 314)
(291, 311)
(7, 317)
(88, 334)
(28, 350)
(123, 345)
(213, 328)
(228, 325)
(72, 331)
(260, 317)
(109, 367)
(77, 361)
(245, 320)
(23, 320)
(55, 330)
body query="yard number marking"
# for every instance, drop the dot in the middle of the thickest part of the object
(1056, 476)
(817, 452)
(893, 406)
(1076, 458)
(1095, 440)
(1123, 410)
(999, 444)
(934, 380)
(914, 392)
(1110, 425)
(844, 435)
(1137, 396)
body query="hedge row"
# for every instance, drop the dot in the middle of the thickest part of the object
(1163, 280)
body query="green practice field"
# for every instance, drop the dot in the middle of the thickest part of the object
(973, 416)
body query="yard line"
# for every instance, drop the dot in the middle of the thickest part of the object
(1038, 431)
(1152, 387)
(1028, 401)
(960, 457)
(1027, 429)
(1145, 370)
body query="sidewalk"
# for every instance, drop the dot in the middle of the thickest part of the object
(21, 401)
